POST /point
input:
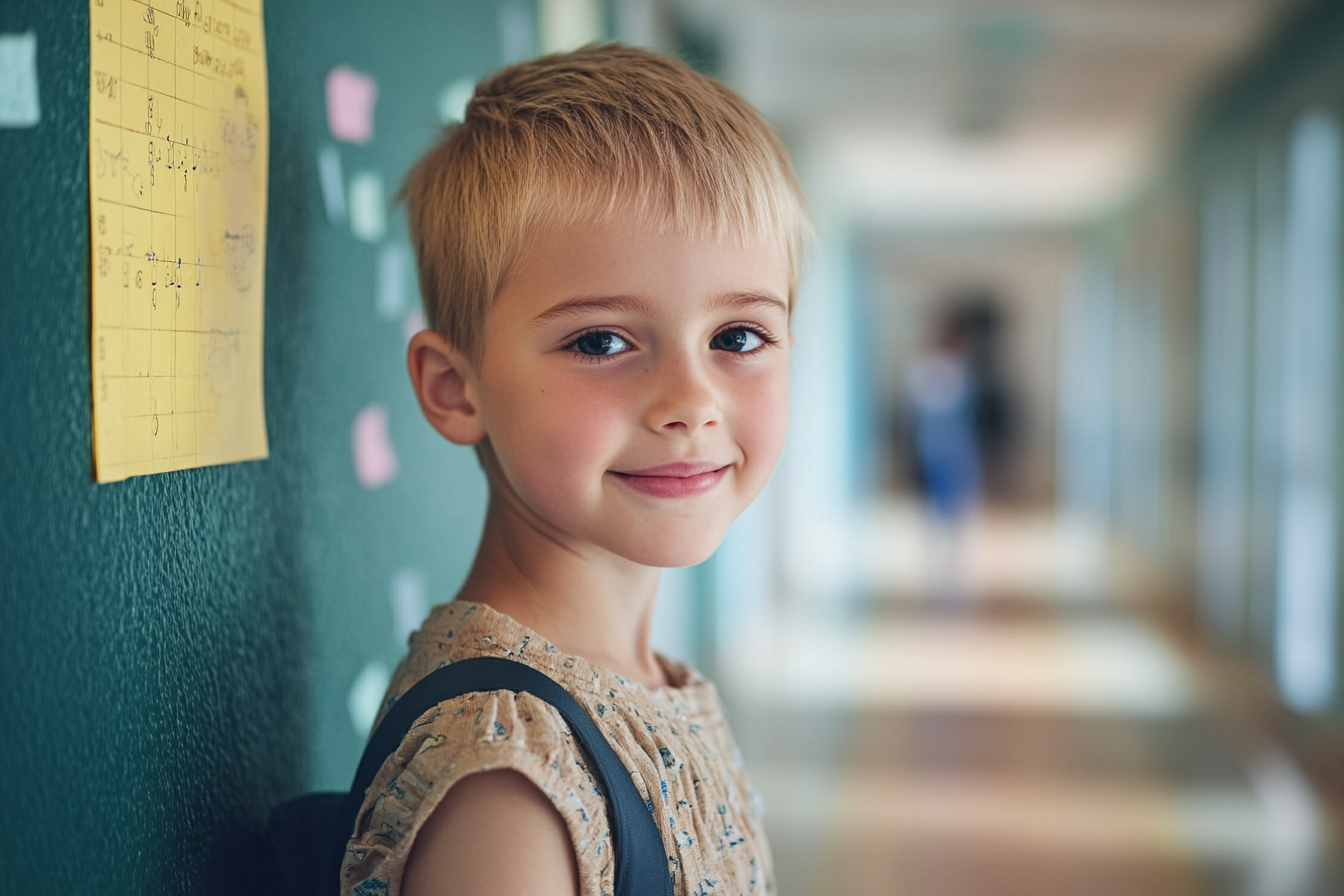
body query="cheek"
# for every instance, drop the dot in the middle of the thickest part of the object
(555, 438)
(763, 419)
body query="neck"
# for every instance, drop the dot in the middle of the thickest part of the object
(585, 601)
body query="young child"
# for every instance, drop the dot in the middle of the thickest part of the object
(608, 250)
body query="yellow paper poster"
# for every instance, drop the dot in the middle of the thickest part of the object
(178, 136)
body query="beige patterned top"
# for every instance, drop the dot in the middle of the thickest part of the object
(674, 739)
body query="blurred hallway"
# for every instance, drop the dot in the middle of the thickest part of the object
(1036, 736)
(1044, 598)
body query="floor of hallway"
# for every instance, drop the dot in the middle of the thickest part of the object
(1013, 735)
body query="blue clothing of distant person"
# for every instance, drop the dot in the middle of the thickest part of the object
(944, 424)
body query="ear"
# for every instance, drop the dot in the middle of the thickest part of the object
(445, 384)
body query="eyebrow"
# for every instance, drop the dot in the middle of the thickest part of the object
(583, 305)
(750, 299)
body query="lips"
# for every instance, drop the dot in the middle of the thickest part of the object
(677, 480)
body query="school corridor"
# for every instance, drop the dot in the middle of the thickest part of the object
(1037, 734)
(1045, 595)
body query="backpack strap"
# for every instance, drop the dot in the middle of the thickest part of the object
(641, 858)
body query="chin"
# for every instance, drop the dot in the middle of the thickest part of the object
(669, 548)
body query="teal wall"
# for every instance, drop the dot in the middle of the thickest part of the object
(177, 649)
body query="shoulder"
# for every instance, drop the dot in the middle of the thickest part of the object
(493, 832)
(460, 743)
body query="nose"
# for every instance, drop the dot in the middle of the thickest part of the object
(685, 398)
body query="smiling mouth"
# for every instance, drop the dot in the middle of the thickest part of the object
(678, 480)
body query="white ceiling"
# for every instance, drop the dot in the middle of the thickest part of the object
(974, 111)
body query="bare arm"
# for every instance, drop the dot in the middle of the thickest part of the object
(494, 832)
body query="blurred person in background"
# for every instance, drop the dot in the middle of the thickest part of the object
(942, 399)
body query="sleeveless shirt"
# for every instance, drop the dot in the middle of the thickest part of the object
(674, 740)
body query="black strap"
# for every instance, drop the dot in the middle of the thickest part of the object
(641, 858)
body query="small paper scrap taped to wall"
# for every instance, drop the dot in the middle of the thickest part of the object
(20, 106)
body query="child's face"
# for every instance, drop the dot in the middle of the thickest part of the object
(633, 386)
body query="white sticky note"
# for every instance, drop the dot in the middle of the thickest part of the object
(413, 323)
(409, 607)
(332, 183)
(19, 104)
(453, 100)
(568, 24)
(368, 214)
(393, 267)
(366, 696)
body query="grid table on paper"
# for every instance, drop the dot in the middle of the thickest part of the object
(178, 135)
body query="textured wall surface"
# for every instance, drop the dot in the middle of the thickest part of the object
(178, 649)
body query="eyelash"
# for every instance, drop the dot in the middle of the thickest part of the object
(766, 337)
(571, 345)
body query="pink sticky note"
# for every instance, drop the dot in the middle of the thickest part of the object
(375, 461)
(350, 99)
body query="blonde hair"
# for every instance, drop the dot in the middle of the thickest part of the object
(578, 136)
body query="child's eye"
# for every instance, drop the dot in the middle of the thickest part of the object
(599, 343)
(736, 339)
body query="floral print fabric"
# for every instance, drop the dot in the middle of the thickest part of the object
(675, 741)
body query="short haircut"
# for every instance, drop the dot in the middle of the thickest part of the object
(578, 136)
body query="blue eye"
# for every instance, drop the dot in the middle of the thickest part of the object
(599, 343)
(736, 339)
